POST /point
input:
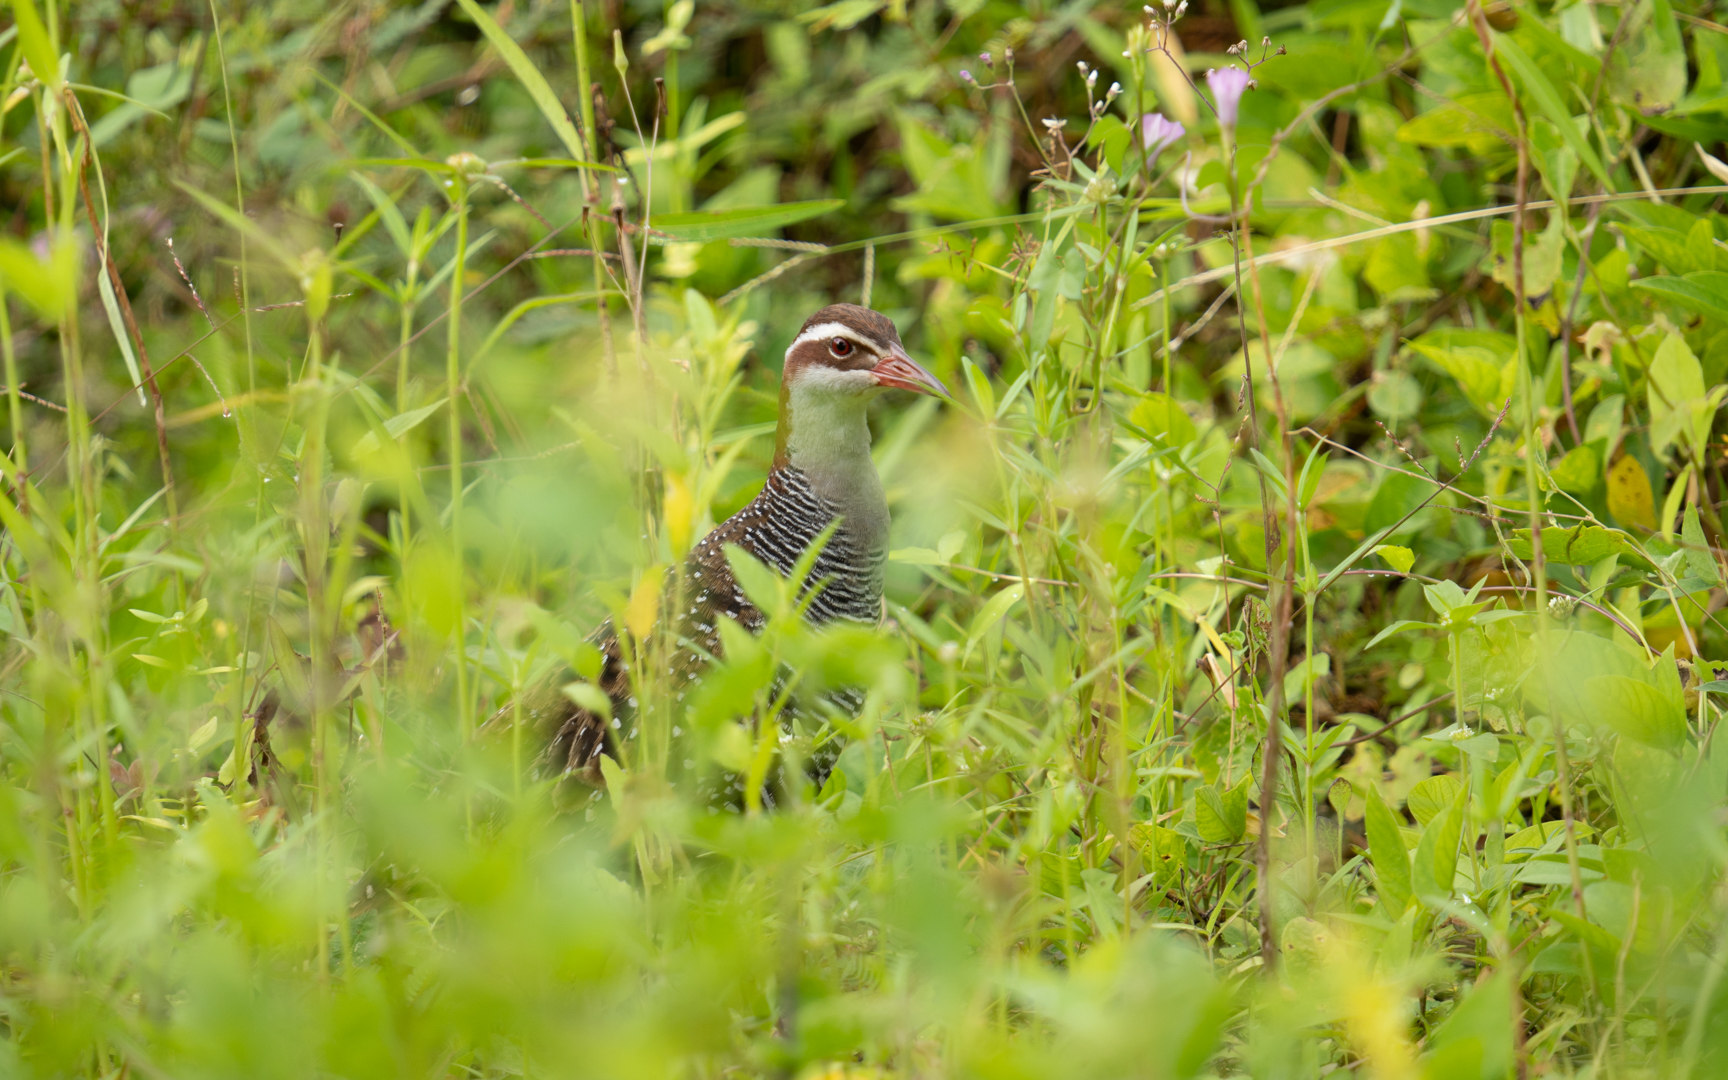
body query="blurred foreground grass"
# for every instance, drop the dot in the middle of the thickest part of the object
(1226, 718)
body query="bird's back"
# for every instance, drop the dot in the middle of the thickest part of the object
(777, 528)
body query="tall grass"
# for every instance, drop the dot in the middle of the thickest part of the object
(1292, 660)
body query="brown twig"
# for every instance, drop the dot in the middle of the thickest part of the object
(106, 254)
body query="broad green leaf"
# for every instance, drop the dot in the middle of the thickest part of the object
(1221, 817)
(1398, 558)
(1636, 710)
(1575, 547)
(1676, 381)
(1704, 292)
(1605, 423)
(1579, 471)
(1478, 122)
(1387, 852)
(1163, 416)
(1163, 852)
(1476, 368)
(1432, 796)
(1299, 678)
(1537, 86)
(48, 287)
(704, 225)
(1398, 497)
(1699, 562)
(1532, 838)
(1436, 860)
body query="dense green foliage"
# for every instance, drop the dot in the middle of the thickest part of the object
(350, 383)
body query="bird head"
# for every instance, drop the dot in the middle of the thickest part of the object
(844, 356)
(847, 350)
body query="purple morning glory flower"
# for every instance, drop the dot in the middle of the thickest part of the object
(1228, 85)
(1157, 132)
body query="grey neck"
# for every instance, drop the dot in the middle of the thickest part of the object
(828, 440)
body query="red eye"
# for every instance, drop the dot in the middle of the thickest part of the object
(840, 347)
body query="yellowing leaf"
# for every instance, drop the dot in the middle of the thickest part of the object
(644, 607)
(679, 511)
(1630, 499)
(1398, 558)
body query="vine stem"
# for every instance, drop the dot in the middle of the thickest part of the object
(453, 391)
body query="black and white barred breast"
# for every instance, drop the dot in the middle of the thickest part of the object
(778, 527)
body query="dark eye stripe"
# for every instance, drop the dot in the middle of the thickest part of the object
(841, 347)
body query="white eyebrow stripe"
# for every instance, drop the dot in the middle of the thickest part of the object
(833, 330)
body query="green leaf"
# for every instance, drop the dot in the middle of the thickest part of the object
(1298, 678)
(296, 677)
(1436, 861)
(1400, 625)
(1398, 497)
(1699, 562)
(759, 582)
(917, 556)
(704, 225)
(993, 610)
(1577, 473)
(200, 738)
(1163, 416)
(1476, 121)
(1704, 292)
(1636, 710)
(48, 287)
(1221, 817)
(1432, 796)
(529, 76)
(38, 50)
(1575, 547)
(245, 225)
(1537, 86)
(588, 696)
(1398, 558)
(394, 427)
(1676, 382)
(1387, 852)
(1476, 369)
